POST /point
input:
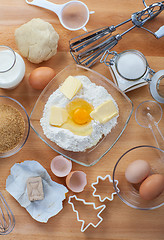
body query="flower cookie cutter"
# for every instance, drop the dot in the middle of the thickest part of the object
(103, 179)
(102, 207)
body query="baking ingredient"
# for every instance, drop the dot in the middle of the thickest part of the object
(137, 171)
(7, 58)
(152, 187)
(79, 110)
(35, 189)
(66, 139)
(54, 193)
(58, 116)
(78, 130)
(37, 40)
(131, 65)
(61, 166)
(76, 181)
(11, 78)
(75, 117)
(40, 77)
(70, 87)
(104, 112)
(79, 117)
(12, 127)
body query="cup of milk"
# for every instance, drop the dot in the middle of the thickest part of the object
(12, 68)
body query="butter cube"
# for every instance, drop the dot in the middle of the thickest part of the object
(70, 87)
(104, 112)
(35, 188)
(58, 116)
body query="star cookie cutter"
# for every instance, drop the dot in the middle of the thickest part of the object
(102, 207)
(97, 182)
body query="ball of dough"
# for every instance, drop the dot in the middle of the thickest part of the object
(37, 40)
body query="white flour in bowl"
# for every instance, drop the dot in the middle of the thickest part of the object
(64, 138)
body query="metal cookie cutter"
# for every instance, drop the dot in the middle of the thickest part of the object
(102, 207)
(97, 182)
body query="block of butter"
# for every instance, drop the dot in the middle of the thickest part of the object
(70, 87)
(35, 188)
(58, 116)
(104, 112)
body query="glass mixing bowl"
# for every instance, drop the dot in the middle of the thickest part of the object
(129, 193)
(15, 104)
(94, 154)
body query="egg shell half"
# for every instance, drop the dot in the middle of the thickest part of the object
(61, 166)
(137, 171)
(76, 181)
(40, 77)
(152, 187)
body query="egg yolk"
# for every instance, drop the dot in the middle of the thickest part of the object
(79, 120)
(81, 116)
(79, 111)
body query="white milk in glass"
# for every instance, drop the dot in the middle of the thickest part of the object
(12, 68)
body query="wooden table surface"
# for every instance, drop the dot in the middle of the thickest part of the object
(120, 221)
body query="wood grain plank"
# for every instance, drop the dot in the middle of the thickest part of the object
(120, 221)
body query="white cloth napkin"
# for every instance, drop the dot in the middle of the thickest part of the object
(54, 193)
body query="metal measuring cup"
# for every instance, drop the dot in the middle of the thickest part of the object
(75, 9)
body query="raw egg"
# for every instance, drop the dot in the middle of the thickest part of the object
(79, 110)
(76, 181)
(40, 77)
(79, 120)
(137, 171)
(152, 187)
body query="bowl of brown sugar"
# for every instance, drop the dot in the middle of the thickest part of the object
(14, 126)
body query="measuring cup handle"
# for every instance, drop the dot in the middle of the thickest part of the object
(160, 32)
(153, 126)
(56, 8)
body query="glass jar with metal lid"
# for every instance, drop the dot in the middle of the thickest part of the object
(130, 70)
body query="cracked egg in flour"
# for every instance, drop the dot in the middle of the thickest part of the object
(75, 117)
(78, 114)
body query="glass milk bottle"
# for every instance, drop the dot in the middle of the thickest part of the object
(12, 68)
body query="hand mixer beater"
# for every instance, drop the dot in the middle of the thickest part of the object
(88, 48)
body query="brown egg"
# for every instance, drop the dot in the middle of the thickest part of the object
(40, 77)
(76, 181)
(152, 187)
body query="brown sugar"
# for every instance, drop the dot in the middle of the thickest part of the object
(12, 127)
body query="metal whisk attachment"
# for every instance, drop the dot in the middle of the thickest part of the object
(88, 48)
(7, 220)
